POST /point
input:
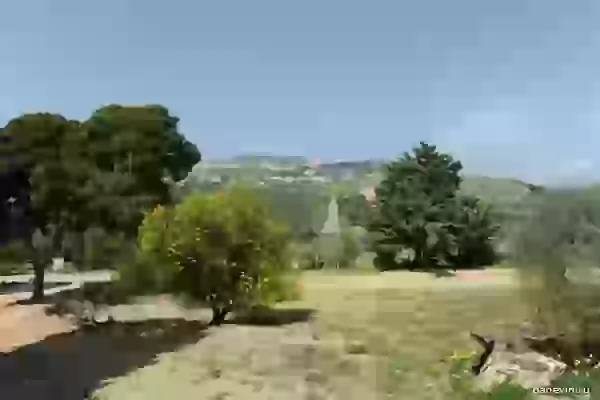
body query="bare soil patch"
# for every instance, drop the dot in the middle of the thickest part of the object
(25, 324)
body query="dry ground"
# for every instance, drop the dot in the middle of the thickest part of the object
(373, 336)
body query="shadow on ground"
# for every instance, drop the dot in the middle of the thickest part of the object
(66, 366)
(105, 293)
(444, 273)
(17, 287)
(265, 316)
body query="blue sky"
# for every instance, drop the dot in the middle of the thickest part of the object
(510, 87)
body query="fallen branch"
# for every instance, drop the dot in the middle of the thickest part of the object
(488, 348)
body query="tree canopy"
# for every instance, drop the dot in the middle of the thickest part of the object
(420, 221)
(223, 248)
(101, 172)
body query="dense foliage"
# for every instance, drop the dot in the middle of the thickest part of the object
(420, 219)
(302, 206)
(355, 209)
(102, 173)
(221, 248)
(558, 253)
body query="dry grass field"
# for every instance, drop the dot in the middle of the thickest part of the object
(372, 336)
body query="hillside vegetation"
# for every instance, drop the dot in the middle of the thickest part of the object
(359, 175)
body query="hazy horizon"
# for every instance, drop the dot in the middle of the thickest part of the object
(510, 88)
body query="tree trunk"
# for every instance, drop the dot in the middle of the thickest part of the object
(41, 257)
(38, 279)
(57, 240)
(219, 314)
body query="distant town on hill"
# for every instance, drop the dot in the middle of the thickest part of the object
(350, 175)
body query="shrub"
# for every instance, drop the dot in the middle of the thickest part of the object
(333, 251)
(355, 208)
(305, 255)
(351, 248)
(144, 274)
(13, 257)
(474, 230)
(559, 242)
(329, 250)
(301, 205)
(96, 249)
(222, 248)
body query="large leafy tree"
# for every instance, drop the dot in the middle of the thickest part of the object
(421, 222)
(50, 150)
(138, 152)
(104, 172)
(14, 195)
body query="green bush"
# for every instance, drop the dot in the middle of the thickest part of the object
(304, 255)
(356, 209)
(13, 257)
(301, 205)
(222, 248)
(558, 256)
(331, 251)
(14, 252)
(474, 228)
(351, 248)
(144, 274)
(97, 249)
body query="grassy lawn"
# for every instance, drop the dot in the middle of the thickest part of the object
(412, 326)
(373, 337)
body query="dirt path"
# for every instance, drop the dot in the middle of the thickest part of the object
(25, 324)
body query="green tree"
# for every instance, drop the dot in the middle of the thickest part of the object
(51, 149)
(138, 152)
(421, 222)
(356, 209)
(557, 252)
(102, 173)
(475, 229)
(221, 248)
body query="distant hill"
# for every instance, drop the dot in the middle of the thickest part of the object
(257, 159)
(503, 191)
(353, 175)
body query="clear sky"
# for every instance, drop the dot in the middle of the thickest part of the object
(511, 87)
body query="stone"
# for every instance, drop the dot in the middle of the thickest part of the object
(528, 369)
(356, 347)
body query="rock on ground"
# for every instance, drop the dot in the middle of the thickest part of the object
(528, 369)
